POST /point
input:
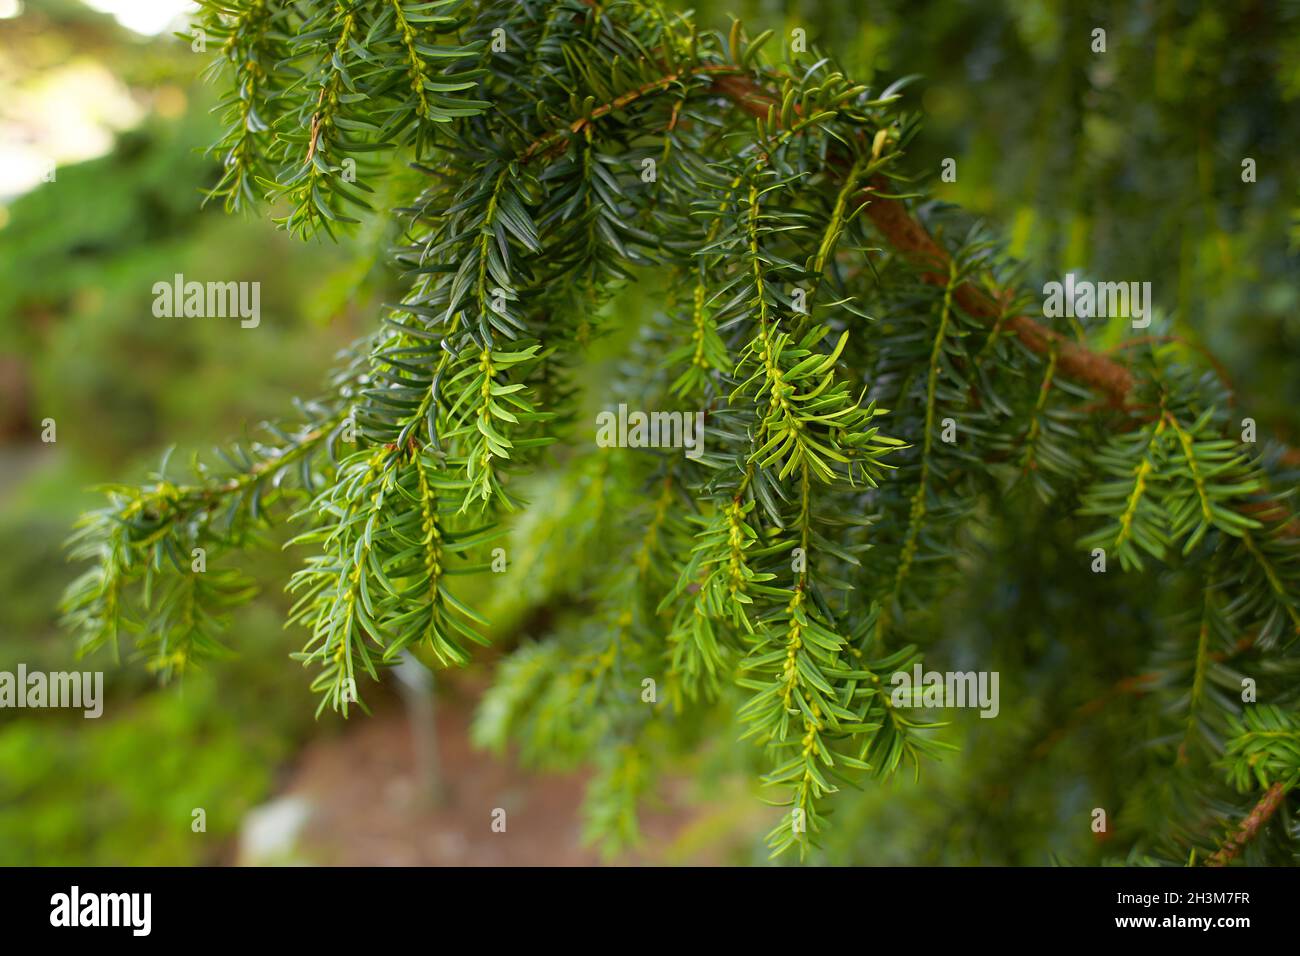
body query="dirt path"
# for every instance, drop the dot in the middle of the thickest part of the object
(367, 806)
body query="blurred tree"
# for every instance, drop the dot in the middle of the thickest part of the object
(79, 343)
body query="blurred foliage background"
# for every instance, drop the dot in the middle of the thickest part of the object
(1125, 165)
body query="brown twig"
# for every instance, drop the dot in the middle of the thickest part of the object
(913, 241)
(910, 238)
(559, 137)
(1250, 826)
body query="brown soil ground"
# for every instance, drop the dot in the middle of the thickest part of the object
(369, 808)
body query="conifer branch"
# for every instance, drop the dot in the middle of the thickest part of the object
(759, 577)
(1249, 828)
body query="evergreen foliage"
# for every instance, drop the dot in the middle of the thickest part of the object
(879, 410)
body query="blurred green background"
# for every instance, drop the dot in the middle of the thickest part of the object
(1126, 164)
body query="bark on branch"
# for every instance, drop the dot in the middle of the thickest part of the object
(913, 241)
(1250, 826)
